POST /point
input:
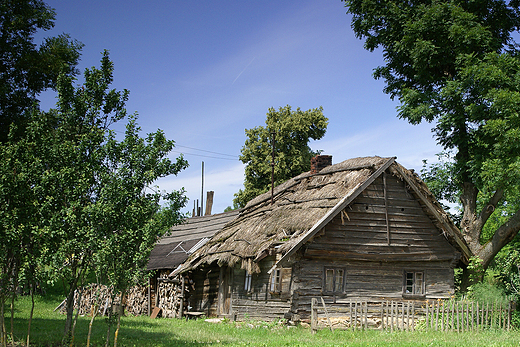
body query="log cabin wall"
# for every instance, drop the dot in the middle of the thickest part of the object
(261, 301)
(382, 237)
(204, 297)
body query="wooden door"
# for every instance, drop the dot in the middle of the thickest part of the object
(224, 290)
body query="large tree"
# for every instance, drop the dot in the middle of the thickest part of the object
(292, 132)
(27, 69)
(455, 63)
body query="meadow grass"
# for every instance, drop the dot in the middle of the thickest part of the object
(47, 330)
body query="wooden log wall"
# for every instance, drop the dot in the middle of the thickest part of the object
(382, 234)
(260, 302)
(384, 223)
(439, 315)
(204, 296)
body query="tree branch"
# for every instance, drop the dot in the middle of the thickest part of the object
(504, 234)
(488, 210)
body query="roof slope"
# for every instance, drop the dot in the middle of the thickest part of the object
(302, 206)
(174, 248)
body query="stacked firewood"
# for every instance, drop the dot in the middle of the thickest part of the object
(136, 302)
(170, 297)
(101, 296)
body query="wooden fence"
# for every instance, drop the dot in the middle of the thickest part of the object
(442, 315)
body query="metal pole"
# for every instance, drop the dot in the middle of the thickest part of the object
(272, 167)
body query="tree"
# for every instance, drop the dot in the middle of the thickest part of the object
(25, 69)
(79, 196)
(293, 131)
(455, 63)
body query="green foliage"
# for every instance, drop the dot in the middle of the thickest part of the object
(455, 63)
(507, 266)
(476, 269)
(25, 69)
(293, 130)
(77, 200)
(486, 292)
(228, 209)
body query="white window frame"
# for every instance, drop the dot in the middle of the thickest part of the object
(275, 282)
(248, 280)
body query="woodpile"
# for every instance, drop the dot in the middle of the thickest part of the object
(170, 297)
(136, 302)
(100, 296)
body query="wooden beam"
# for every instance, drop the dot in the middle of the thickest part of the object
(386, 208)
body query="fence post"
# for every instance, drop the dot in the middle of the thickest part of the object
(350, 312)
(355, 315)
(413, 316)
(314, 315)
(427, 314)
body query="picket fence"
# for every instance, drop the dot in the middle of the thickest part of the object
(441, 315)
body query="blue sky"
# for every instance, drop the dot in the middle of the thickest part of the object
(204, 71)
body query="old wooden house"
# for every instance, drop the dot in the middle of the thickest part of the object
(171, 251)
(365, 228)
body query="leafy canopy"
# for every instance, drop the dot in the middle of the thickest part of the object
(25, 68)
(455, 63)
(293, 130)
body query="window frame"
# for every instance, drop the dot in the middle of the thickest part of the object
(275, 281)
(248, 281)
(415, 285)
(335, 277)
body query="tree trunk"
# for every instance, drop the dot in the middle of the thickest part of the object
(31, 314)
(69, 307)
(3, 332)
(120, 312)
(76, 318)
(94, 314)
(13, 295)
(472, 224)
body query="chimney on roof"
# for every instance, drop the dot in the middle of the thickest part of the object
(320, 162)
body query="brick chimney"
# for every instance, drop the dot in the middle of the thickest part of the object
(320, 162)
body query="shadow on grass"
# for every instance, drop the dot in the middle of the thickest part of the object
(134, 332)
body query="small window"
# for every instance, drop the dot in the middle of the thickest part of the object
(247, 284)
(275, 284)
(334, 280)
(414, 283)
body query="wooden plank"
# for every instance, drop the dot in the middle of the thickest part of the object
(314, 315)
(155, 312)
(455, 233)
(326, 313)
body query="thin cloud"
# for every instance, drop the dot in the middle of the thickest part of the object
(243, 71)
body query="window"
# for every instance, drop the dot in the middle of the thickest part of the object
(414, 283)
(334, 280)
(247, 284)
(275, 284)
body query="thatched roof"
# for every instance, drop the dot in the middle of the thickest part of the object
(302, 206)
(174, 248)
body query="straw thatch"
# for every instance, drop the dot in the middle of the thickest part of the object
(302, 206)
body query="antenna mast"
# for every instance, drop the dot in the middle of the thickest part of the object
(272, 166)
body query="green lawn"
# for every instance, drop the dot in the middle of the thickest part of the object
(142, 331)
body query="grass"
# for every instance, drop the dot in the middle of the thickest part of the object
(47, 330)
